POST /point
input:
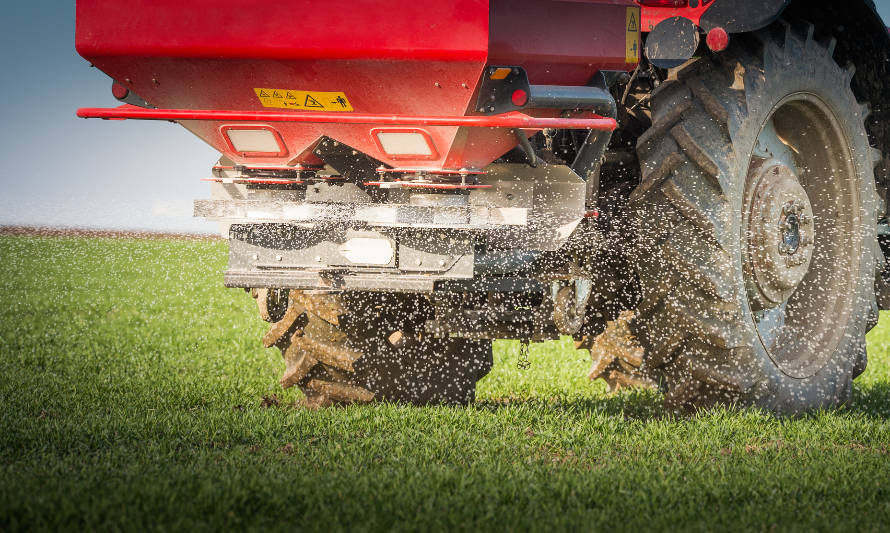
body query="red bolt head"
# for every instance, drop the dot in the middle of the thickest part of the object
(717, 39)
(119, 91)
(519, 98)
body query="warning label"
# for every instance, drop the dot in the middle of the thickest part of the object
(632, 35)
(312, 100)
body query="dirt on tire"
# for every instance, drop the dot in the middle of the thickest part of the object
(358, 348)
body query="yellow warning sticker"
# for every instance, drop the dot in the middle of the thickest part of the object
(632, 35)
(303, 100)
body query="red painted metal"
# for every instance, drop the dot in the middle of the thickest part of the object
(664, 3)
(119, 91)
(421, 185)
(559, 42)
(264, 167)
(256, 181)
(399, 58)
(458, 172)
(394, 57)
(506, 120)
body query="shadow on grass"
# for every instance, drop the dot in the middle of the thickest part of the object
(871, 400)
(631, 404)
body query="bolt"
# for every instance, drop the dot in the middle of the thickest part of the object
(437, 84)
(418, 261)
(278, 258)
(464, 85)
(256, 257)
(318, 259)
(441, 262)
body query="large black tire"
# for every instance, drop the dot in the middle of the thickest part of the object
(701, 317)
(358, 348)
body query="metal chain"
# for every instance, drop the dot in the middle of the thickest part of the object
(523, 362)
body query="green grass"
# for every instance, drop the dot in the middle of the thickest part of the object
(130, 391)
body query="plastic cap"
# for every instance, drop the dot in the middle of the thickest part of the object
(717, 39)
(519, 98)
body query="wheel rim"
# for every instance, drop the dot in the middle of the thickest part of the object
(801, 247)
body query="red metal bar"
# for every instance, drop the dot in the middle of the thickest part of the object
(506, 120)
(262, 167)
(434, 171)
(425, 185)
(254, 180)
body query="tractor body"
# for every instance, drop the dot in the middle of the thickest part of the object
(475, 158)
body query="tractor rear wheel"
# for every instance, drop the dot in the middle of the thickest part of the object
(357, 348)
(756, 219)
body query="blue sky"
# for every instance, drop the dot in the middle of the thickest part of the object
(59, 170)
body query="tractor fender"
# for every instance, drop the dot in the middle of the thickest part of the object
(736, 16)
(739, 17)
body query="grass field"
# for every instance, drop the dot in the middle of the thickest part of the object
(130, 398)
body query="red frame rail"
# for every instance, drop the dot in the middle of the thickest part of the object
(506, 120)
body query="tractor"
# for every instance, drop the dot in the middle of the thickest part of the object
(403, 182)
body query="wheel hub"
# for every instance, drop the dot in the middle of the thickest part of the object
(781, 234)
